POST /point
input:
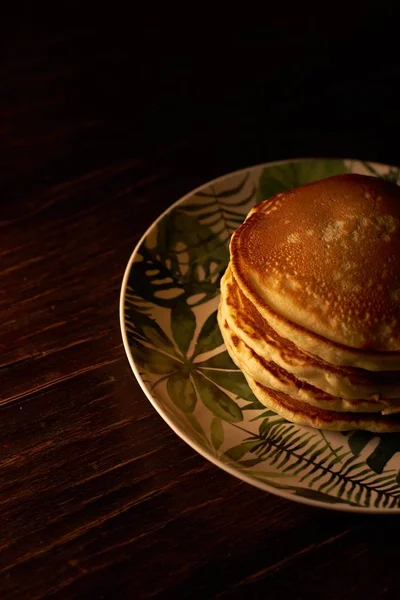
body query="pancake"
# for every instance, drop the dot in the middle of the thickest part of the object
(304, 414)
(321, 264)
(270, 375)
(344, 382)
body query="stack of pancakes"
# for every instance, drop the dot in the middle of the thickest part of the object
(310, 303)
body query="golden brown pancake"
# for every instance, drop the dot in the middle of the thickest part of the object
(270, 375)
(305, 414)
(321, 264)
(310, 304)
(347, 383)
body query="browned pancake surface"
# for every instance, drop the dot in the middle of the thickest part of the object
(326, 256)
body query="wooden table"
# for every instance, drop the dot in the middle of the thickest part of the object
(101, 130)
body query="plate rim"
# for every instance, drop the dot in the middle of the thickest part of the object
(176, 428)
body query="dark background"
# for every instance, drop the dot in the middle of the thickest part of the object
(105, 120)
(83, 88)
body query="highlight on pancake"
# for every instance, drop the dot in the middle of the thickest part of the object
(310, 303)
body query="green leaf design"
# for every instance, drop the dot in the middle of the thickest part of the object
(195, 252)
(277, 178)
(151, 279)
(144, 328)
(184, 258)
(307, 456)
(388, 445)
(217, 433)
(219, 361)
(242, 202)
(181, 391)
(232, 381)
(255, 404)
(191, 206)
(312, 494)
(320, 496)
(196, 426)
(217, 402)
(358, 440)
(237, 452)
(392, 174)
(196, 430)
(228, 206)
(251, 462)
(153, 361)
(209, 337)
(183, 325)
(228, 193)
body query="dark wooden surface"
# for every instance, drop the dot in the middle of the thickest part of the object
(103, 126)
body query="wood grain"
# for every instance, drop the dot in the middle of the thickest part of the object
(100, 133)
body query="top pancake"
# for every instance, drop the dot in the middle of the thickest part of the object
(322, 265)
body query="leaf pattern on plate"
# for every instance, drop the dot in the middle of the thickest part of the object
(384, 447)
(308, 455)
(217, 433)
(278, 178)
(223, 210)
(170, 320)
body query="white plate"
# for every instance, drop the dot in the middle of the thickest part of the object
(168, 309)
